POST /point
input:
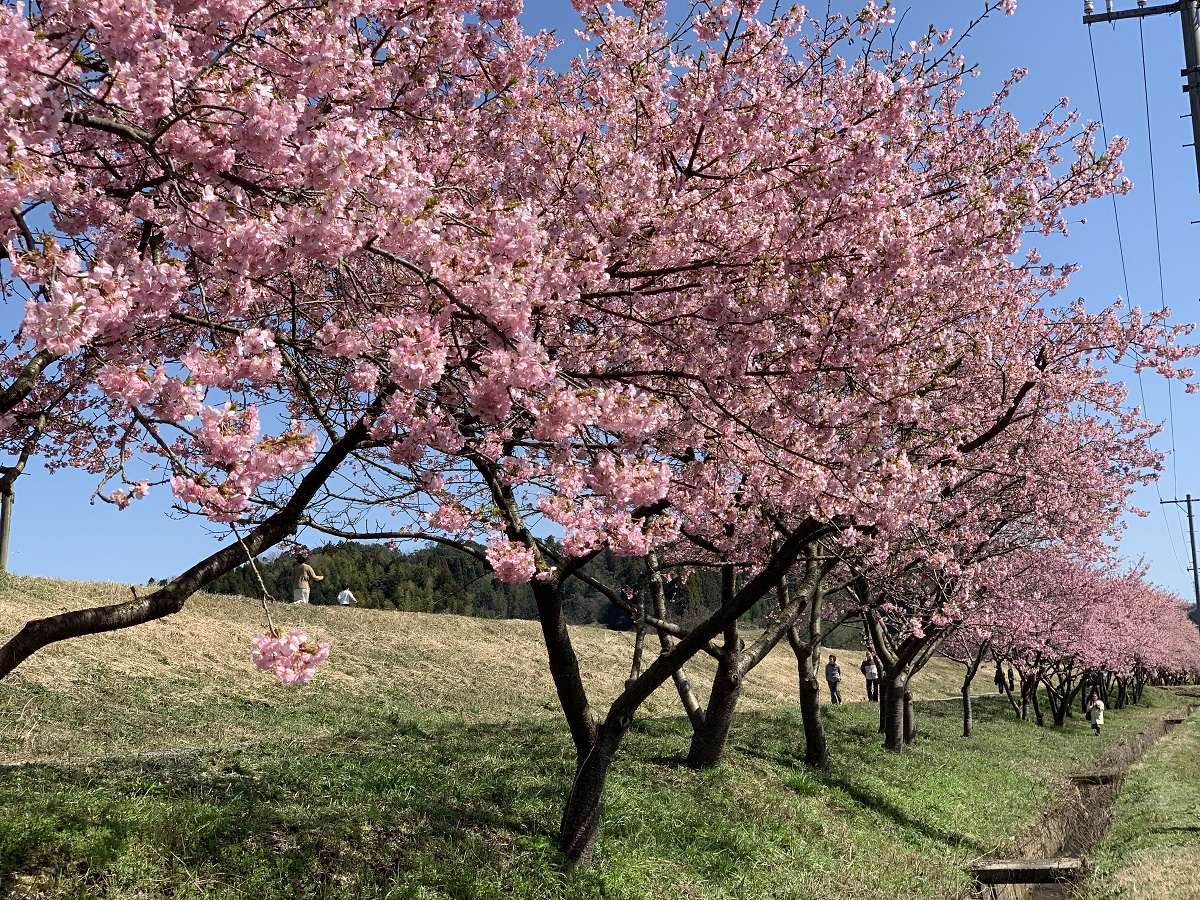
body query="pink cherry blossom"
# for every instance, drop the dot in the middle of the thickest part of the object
(511, 562)
(293, 658)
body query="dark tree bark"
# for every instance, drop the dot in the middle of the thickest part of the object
(735, 662)
(547, 595)
(683, 686)
(816, 745)
(899, 665)
(1061, 686)
(968, 712)
(564, 665)
(973, 667)
(709, 739)
(892, 699)
(581, 815)
(1017, 707)
(910, 719)
(639, 641)
(25, 381)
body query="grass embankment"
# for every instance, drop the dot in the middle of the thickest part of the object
(428, 760)
(1152, 851)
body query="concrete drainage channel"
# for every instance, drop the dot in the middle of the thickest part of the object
(1053, 856)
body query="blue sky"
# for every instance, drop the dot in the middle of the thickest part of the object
(57, 532)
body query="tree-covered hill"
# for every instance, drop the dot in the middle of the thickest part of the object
(443, 579)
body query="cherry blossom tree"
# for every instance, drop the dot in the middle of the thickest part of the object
(726, 292)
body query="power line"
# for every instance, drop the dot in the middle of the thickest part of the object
(1125, 269)
(1104, 134)
(1158, 490)
(1162, 290)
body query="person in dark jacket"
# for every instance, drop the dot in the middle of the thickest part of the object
(833, 676)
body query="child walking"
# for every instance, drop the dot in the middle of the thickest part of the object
(1095, 712)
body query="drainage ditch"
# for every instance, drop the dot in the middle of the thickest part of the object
(1055, 853)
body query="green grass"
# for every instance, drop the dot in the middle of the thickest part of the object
(132, 776)
(1153, 847)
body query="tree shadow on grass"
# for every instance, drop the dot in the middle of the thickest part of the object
(448, 806)
(862, 770)
(877, 804)
(1176, 829)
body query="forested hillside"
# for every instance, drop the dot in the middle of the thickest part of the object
(442, 579)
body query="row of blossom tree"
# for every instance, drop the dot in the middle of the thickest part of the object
(748, 292)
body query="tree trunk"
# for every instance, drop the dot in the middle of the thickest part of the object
(582, 812)
(892, 701)
(564, 665)
(816, 746)
(1016, 707)
(581, 816)
(974, 663)
(1058, 705)
(709, 740)
(6, 512)
(910, 719)
(683, 686)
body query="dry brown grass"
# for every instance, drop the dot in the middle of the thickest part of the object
(478, 669)
(1161, 875)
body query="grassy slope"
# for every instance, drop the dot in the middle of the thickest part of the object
(429, 761)
(1152, 851)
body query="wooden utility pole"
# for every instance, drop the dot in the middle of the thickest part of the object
(8, 480)
(1189, 17)
(6, 505)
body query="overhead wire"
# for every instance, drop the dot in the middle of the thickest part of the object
(1162, 290)
(1125, 266)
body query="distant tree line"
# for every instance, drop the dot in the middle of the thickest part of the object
(436, 579)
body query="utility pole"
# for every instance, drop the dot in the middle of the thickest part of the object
(1192, 535)
(1189, 16)
(6, 505)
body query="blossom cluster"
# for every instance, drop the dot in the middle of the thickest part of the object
(293, 657)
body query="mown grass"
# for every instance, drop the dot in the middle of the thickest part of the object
(1152, 851)
(126, 780)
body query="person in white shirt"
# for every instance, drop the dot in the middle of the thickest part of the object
(1095, 712)
(345, 598)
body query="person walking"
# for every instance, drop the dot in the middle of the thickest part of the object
(304, 576)
(999, 679)
(833, 677)
(1095, 712)
(345, 598)
(870, 670)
